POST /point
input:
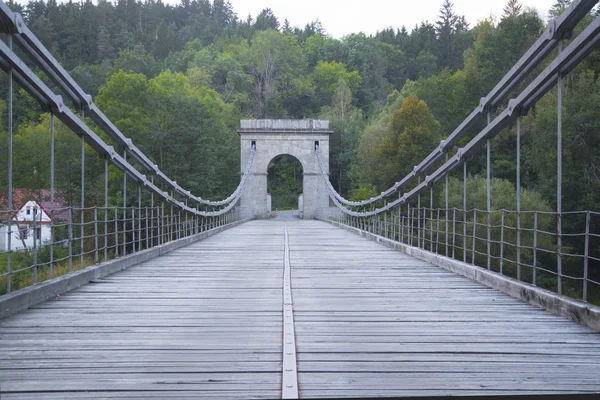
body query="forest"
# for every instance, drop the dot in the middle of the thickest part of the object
(177, 79)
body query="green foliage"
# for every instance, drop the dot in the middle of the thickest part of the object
(177, 78)
(497, 48)
(279, 74)
(581, 121)
(503, 197)
(412, 134)
(284, 182)
(363, 193)
(137, 60)
(327, 77)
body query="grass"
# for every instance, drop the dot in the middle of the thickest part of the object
(22, 262)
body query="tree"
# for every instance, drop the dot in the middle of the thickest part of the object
(558, 7)
(412, 134)
(512, 9)
(106, 51)
(284, 181)
(327, 78)
(278, 70)
(503, 197)
(137, 60)
(444, 30)
(266, 20)
(365, 57)
(125, 100)
(44, 30)
(449, 29)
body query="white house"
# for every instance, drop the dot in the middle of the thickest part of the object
(22, 228)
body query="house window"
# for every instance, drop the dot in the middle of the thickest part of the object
(38, 233)
(28, 211)
(23, 231)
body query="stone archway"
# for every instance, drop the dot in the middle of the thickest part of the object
(272, 138)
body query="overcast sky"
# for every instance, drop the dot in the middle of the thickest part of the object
(341, 17)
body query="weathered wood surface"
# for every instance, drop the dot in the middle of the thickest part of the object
(371, 321)
(206, 321)
(202, 321)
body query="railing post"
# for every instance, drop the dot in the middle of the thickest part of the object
(139, 214)
(412, 229)
(424, 236)
(124, 231)
(152, 214)
(559, 179)
(465, 212)
(169, 225)
(133, 230)
(474, 235)
(70, 236)
(430, 219)
(159, 223)
(453, 232)
(419, 217)
(35, 239)
(586, 255)
(437, 233)
(489, 200)
(535, 225)
(400, 222)
(52, 140)
(385, 224)
(447, 211)
(502, 244)
(519, 198)
(409, 225)
(105, 209)
(116, 233)
(124, 206)
(95, 235)
(10, 171)
(147, 228)
(82, 220)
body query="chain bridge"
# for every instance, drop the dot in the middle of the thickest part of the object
(176, 296)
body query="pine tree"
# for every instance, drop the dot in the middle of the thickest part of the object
(106, 51)
(445, 29)
(512, 9)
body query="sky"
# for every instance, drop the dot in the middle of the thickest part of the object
(342, 17)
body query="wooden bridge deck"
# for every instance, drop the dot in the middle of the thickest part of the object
(206, 321)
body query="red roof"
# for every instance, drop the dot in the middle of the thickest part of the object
(41, 196)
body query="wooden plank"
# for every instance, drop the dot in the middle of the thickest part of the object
(202, 321)
(371, 321)
(206, 322)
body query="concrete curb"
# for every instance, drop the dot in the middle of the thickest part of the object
(21, 300)
(585, 314)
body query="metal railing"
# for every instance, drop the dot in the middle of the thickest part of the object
(80, 235)
(88, 236)
(555, 250)
(527, 253)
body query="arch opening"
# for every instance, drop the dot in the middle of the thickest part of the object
(285, 182)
